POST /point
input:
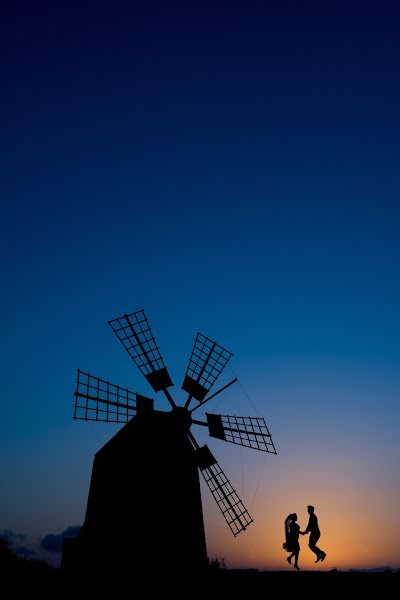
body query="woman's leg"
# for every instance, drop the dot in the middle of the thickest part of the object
(296, 557)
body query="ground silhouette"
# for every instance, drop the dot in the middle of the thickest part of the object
(31, 576)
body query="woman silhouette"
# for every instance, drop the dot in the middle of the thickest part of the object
(292, 539)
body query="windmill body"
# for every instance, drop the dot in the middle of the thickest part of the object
(144, 505)
(144, 508)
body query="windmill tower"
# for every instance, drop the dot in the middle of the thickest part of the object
(144, 506)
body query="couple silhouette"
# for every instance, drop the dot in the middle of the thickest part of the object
(292, 533)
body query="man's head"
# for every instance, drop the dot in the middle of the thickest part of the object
(310, 508)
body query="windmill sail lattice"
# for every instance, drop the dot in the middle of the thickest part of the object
(160, 450)
(99, 400)
(137, 338)
(206, 362)
(245, 431)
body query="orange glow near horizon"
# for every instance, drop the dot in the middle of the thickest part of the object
(355, 518)
(337, 450)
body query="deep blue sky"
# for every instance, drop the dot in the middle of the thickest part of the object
(231, 168)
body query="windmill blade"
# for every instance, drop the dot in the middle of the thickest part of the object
(100, 400)
(206, 362)
(135, 334)
(251, 432)
(228, 501)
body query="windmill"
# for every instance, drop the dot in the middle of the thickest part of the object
(144, 503)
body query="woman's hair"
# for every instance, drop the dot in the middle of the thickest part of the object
(291, 517)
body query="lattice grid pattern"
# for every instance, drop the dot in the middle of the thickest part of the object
(227, 499)
(99, 400)
(207, 360)
(251, 432)
(137, 338)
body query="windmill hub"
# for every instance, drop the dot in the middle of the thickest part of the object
(183, 417)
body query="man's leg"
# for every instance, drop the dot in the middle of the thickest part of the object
(312, 544)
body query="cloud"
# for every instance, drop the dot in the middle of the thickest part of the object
(13, 541)
(53, 542)
(12, 538)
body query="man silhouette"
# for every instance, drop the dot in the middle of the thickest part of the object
(313, 530)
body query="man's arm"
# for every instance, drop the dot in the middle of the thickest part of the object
(307, 529)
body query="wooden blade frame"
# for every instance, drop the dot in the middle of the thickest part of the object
(135, 334)
(100, 400)
(228, 501)
(251, 432)
(206, 362)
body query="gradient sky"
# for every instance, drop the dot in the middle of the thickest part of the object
(230, 168)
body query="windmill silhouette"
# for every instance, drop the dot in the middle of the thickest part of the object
(144, 505)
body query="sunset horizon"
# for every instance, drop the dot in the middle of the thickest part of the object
(232, 171)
